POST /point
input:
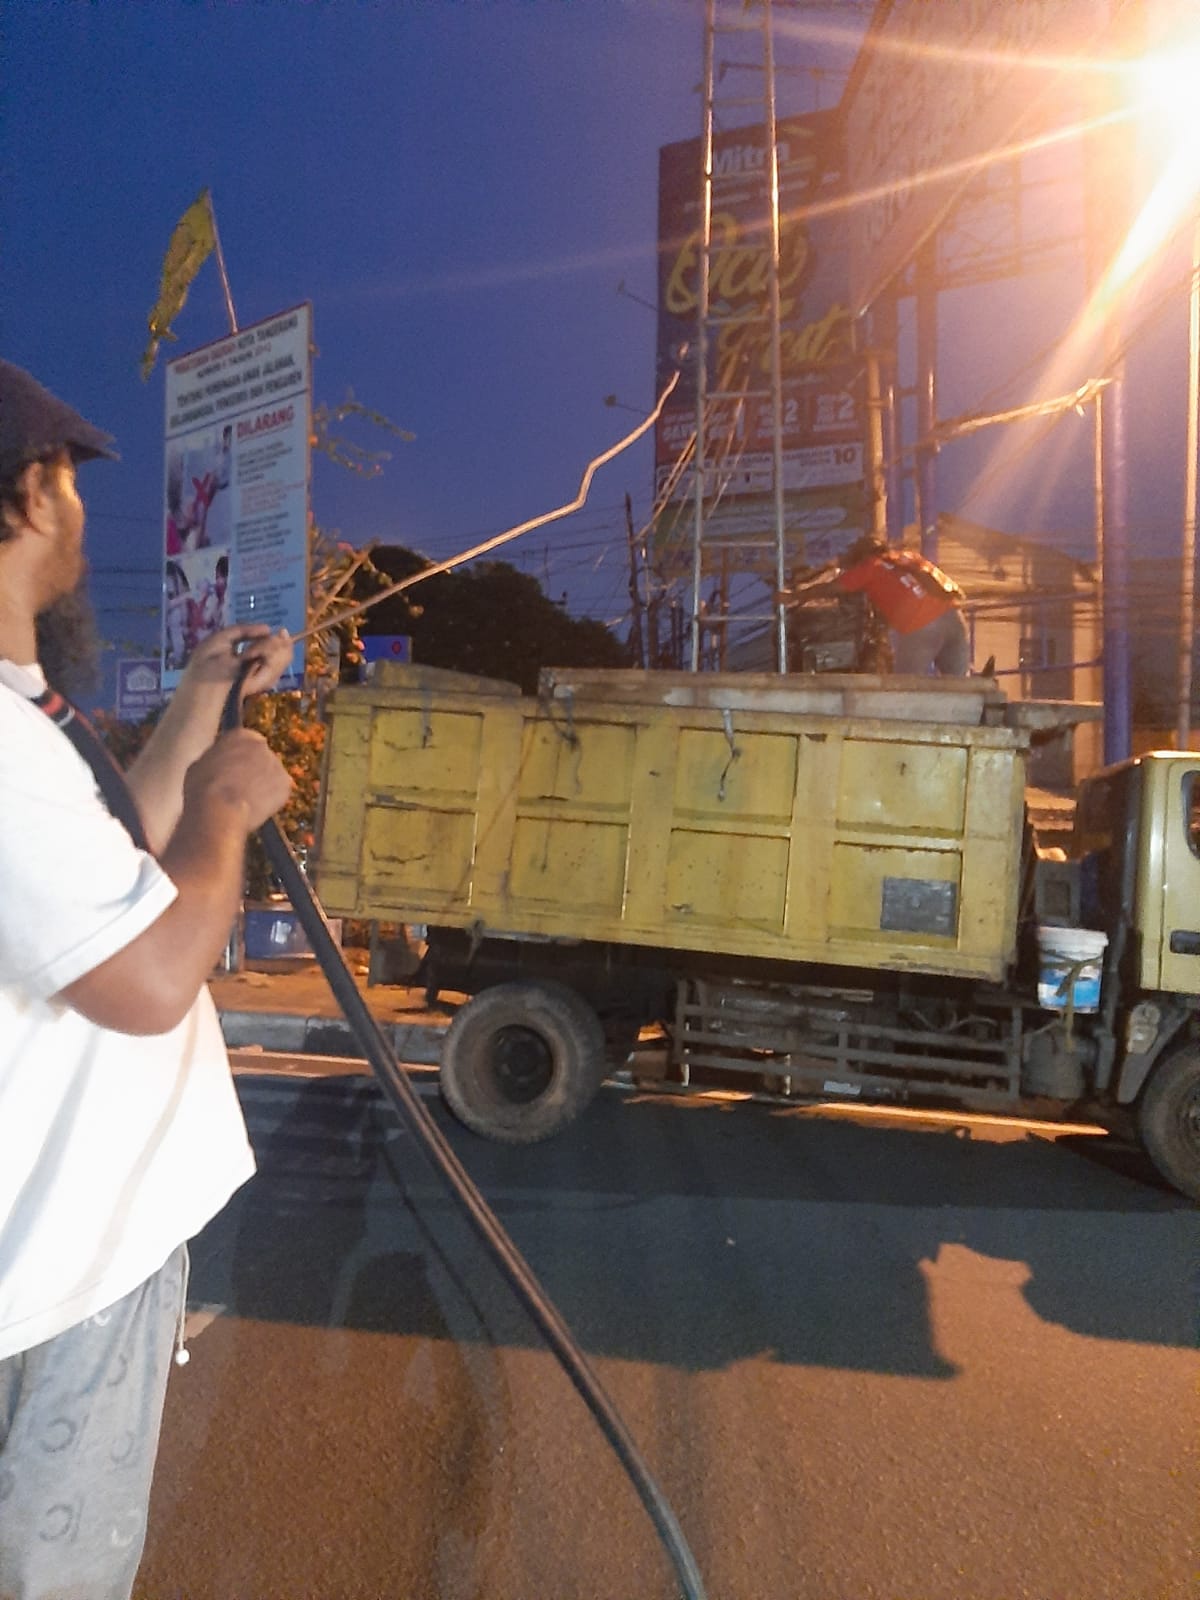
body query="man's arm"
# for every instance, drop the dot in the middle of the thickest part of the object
(150, 984)
(192, 720)
(821, 580)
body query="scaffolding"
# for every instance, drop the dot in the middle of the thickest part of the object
(715, 451)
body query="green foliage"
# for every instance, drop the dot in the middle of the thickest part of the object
(488, 619)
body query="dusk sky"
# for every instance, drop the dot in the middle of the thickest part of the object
(459, 190)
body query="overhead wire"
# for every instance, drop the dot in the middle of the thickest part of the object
(512, 533)
(393, 1081)
(1162, 302)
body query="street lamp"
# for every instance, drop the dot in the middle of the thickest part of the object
(1164, 96)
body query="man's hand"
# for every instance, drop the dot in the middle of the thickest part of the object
(239, 771)
(217, 660)
(192, 719)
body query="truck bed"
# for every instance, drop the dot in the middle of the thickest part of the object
(854, 821)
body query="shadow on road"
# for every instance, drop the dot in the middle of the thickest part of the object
(694, 1233)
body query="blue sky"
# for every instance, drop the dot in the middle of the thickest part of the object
(459, 189)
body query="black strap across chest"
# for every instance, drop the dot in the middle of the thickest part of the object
(110, 780)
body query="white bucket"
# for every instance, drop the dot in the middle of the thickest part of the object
(1069, 968)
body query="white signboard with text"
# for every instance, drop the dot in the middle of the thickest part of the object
(235, 513)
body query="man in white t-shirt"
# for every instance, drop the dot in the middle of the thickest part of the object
(120, 1133)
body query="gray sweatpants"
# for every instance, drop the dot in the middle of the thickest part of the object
(79, 1425)
(941, 646)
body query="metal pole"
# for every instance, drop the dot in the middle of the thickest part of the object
(1117, 719)
(1108, 194)
(885, 336)
(1098, 507)
(926, 463)
(698, 458)
(776, 355)
(635, 591)
(234, 954)
(220, 254)
(877, 463)
(1187, 576)
(1098, 475)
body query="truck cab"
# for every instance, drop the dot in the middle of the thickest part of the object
(1136, 847)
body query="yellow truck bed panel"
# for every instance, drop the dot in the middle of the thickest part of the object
(859, 841)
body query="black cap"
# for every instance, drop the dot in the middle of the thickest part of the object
(35, 424)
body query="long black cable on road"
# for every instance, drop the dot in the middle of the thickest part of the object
(395, 1085)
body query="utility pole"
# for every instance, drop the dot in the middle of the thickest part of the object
(1108, 195)
(1187, 575)
(927, 340)
(635, 589)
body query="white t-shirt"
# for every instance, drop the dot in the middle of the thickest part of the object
(114, 1149)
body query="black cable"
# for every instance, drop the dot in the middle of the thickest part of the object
(393, 1081)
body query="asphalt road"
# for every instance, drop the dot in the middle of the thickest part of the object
(868, 1358)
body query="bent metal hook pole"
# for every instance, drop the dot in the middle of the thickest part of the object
(509, 534)
(404, 1102)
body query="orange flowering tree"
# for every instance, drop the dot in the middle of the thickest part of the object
(292, 727)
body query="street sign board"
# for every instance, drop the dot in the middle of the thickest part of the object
(386, 647)
(235, 520)
(139, 687)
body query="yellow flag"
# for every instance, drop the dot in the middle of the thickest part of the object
(190, 246)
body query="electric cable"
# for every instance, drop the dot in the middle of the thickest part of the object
(385, 1065)
(482, 1218)
(509, 534)
(391, 1078)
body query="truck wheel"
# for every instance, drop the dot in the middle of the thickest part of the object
(521, 1060)
(1169, 1119)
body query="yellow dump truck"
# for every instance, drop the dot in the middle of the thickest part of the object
(825, 884)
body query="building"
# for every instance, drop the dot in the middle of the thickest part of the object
(1035, 613)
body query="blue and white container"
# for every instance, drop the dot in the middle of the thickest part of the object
(1070, 966)
(273, 932)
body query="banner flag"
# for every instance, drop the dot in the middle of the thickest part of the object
(191, 244)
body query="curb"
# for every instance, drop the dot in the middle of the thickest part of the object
(419, 1042)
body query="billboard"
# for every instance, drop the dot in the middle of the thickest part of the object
(939, 89)
(235, 504)
(823, 431)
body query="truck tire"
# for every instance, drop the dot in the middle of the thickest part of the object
(522, 1060)
(1169, 1119)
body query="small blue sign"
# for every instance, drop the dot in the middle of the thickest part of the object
(386, 647)
(139, 688)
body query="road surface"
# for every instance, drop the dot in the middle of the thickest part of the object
(868, 1357)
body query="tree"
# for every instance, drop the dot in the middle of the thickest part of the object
(488, 619)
